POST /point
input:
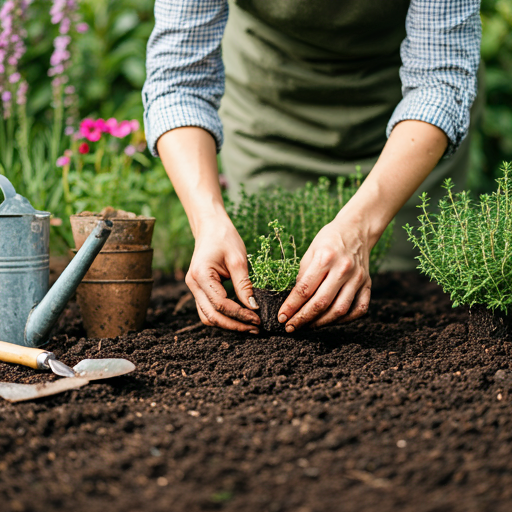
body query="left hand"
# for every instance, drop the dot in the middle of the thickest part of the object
(334, 282)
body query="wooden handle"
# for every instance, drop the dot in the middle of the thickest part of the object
(11, 353)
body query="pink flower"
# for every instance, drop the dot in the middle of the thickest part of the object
(82, 27)
(89, 130)
(123, 129)
(135, 125)
(102, 125)
(69, 130)
(130, 150)
(63, 160)
(14, 78)
(83, 149)
(69, 89)
(111, 124)
(65, 25)
(6, 96)
(61, 42)
(6, 8)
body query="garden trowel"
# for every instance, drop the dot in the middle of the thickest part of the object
(33, 358)
(90, 369)
(21, 392)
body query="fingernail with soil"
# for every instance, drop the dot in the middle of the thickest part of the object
(282, 318)
(254, 331)
(253, 303)
(290, 328)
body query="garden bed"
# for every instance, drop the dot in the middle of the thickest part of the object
(397, 411)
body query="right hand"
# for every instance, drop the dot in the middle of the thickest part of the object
(220, 253)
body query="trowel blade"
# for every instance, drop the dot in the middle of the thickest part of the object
(21, 392)
(60, 368)
(97, 369)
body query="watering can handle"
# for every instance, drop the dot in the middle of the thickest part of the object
(7, 187)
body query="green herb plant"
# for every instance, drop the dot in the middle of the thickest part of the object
(275, 265)
(304, 212)
(467, 246)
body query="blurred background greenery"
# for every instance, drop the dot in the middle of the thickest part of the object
(109, 71)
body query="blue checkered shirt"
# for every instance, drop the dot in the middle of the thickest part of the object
(185, 74)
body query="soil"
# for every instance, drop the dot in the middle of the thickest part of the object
(269, 305)
(398, 411)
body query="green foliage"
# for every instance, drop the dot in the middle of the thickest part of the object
(304, 212)
(109, 69)
(492, 143)
(467, 246)
(271, 271)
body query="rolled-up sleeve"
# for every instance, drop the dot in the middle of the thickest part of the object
(440, 58)
(185, 73)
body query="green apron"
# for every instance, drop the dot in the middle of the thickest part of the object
(310, 88)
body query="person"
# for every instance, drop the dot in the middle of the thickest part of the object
(312, 87)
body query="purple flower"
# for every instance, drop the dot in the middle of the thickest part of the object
(6, 96)
(130, 150)
(82, 27)
(65, 25)
(61, 42)
(63, 160)
(21, 94)
(70, 89)
(69, 130)
(6, 9)
(12, 60)
(14, 78)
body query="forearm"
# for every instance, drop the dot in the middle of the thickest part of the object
(410, 154)
(190, 159)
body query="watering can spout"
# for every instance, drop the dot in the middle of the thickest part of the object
(43, 317)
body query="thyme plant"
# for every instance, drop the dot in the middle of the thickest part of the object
(467, 246)
(271, 271)
(304, 212)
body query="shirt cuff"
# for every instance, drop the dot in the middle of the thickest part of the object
(439, 106)
(174, 111)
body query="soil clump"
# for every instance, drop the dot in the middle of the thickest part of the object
(398, 411)
(269, 305)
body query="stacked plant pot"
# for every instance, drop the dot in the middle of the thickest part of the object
(114, 294)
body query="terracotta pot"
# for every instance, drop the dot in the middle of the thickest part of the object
(270, 303)
(114, 295)
(127, 234)
(115, 265)
(112, 308)
(484, 323)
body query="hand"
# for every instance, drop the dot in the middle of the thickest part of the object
(334, 283)
(220, 253)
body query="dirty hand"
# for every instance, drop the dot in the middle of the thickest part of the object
(220, 253)
(334, 283)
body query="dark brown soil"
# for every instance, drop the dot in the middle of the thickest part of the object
(269, 305)
(399, 411)
(484, 323)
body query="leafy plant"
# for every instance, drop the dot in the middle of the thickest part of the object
(304, 212)
(467, 246)
(270, 271)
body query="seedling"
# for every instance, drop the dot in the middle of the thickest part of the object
(275, 274)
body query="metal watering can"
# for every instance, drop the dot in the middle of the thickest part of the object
(28, 310)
